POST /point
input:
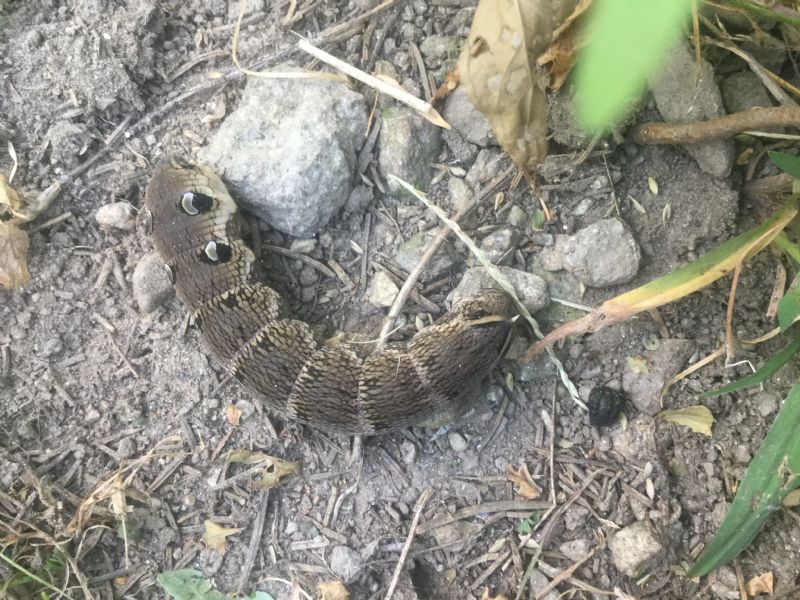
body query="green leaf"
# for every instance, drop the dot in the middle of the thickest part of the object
(767, 369)
(258, 596)
(188, 584)
(773, 473)
(626, 41)
(789, 306)
(788, 163)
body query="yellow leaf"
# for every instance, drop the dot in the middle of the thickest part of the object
(333, 590)
(13, 256)
(498, 71)
(214, 536)
(526, 486)
(760, 584)
(8, 195)
(638, 365)
(792, 499)
(233, 414)
(697, 418)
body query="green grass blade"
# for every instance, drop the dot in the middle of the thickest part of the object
(626, 41)
(788, 163)
(772, 474)
(767, 369)
(789, 306)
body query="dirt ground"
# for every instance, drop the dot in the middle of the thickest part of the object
(93, 93)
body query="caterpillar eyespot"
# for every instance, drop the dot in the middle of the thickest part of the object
(216, 252)
(195, 203)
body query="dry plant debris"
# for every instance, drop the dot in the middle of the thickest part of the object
(215, 535)
(697, 418)
(333, 590)
(521, 478)
(498, 70)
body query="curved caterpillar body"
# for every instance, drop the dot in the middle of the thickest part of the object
(243, 324)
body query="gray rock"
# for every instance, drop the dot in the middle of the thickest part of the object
(602, 254)
(290, 149)
(661, 365)
(455, 536)
(410, 252)
(461, 149)
(633, 547)
(637, 441)
(345, 563)
(382, 290)
(486, 167)
(517, 218)
(117, 215)
(303, 246)
(497, 244)
(152, 284)
(359, 199)
(409, 452)
(66, 140)
(743, 91)
(468, 120)
(408, 145)
(438, 46)
(540, 581)
(768, 50)
(460, 193)
(457, 441)
(575, 549)
(725, 585)
(531, 289)
(684, 95)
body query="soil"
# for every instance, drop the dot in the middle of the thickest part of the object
(94, 93)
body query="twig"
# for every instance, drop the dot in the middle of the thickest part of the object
(423, 499)
(255, 540)
(565, 574)
(716, 129)
(399, 94)
(303, 258)
(485, 507)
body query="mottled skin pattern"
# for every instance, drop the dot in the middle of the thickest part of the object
(340, 387)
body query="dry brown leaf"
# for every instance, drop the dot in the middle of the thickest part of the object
(13, 256)
(526, 486)
(273, 469)
(563, 50)
(233, 414)
(487, 596)
(333, 590)
(215, 535)
(498, 70)
(760, 584)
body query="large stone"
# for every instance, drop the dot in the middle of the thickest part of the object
(685, 94)
(290, 150)
(602, 254)
(345, 562)
(742, 91)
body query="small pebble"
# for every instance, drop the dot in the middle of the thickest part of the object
(457, 442)
(117, 215)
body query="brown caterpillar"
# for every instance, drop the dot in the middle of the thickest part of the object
(340, 387)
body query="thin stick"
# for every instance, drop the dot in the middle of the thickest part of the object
(730, 350)
(565, 574)
(255, 540)
(399, 94)
(423, 499)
